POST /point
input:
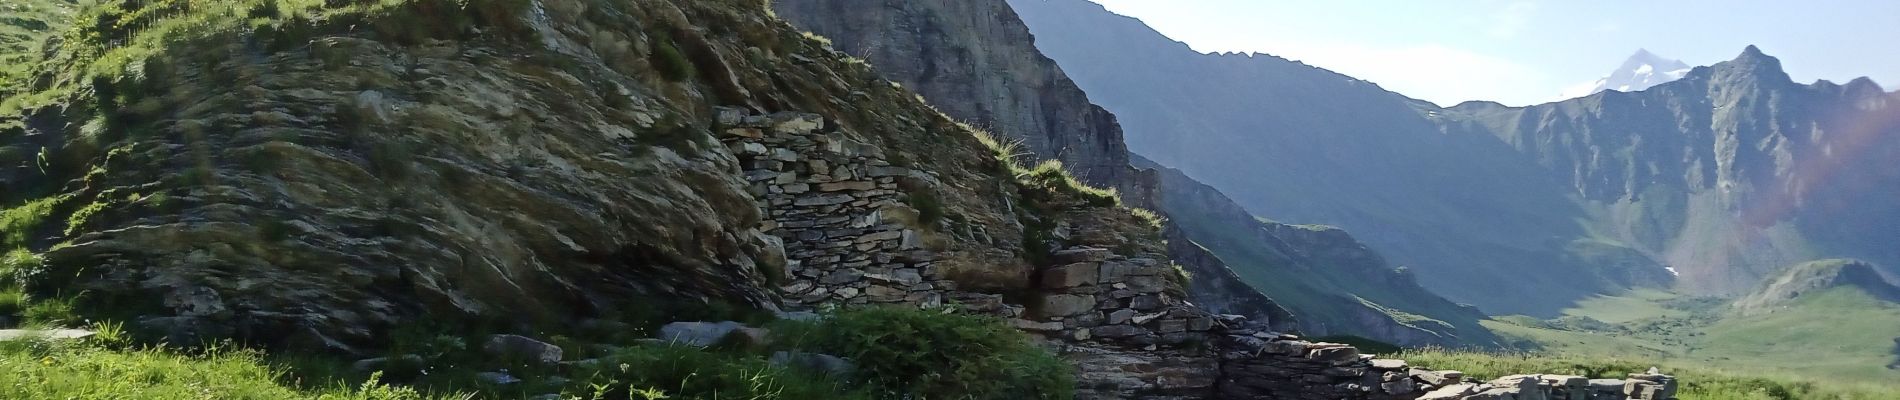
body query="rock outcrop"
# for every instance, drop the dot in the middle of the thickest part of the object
(528, 163)
(975, 61)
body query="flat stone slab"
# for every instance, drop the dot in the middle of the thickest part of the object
(64, 334)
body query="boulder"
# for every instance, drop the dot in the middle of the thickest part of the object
(498, 378)
(1072, 275)
(1458, 391)
(1062, 305)
(1080, 255)
(521, 348)
(406, 362)
(1028, 325)
(822, 363)
(703, 334)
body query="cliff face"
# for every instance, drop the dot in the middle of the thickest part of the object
(976, 61)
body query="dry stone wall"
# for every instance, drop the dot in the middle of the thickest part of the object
(825, 197)
(1115, 309)
(1266, 365)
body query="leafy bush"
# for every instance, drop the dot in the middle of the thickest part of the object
(911, 353)
(12, 302)
(667, 371)
(17, 224)
(672, 63)
(50, 312)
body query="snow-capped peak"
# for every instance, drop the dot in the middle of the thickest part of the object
(1641, 71)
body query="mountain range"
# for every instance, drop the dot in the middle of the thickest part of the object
(1706, 184)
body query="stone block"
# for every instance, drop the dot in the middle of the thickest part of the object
(846, 186)
(1333, 354)
(1062, 305)
(1116, 271)
(1453, 392)
(1147, 284)
(1028, 325)
(823, 199)
(1118, 331)
(1146, 303)
(1072, 275)
(1078, 255)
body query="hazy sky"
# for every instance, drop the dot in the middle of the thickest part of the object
(1530, 51)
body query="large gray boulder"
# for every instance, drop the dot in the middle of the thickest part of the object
(821, 363)
(522, 348)
(704, 334)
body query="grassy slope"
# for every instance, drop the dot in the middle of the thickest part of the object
(1840, 335)
(79, 371)
(1698, 382)
(1840, 332)
(1627, 307)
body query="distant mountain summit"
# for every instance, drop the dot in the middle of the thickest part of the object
(1641, 71)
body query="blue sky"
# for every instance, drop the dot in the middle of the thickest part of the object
(1530, 51)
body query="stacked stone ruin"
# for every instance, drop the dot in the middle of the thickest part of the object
(1095, 294)
(825, 196)
(1266, 365)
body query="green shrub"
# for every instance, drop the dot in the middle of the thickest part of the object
(667, 58)
(50, 312)
(12, 302)
(17, 224)
(911, 353)
(679, 372)
(929, 207)
(79, 217)
(16, 262)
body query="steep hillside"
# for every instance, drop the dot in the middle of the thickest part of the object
(1725, 175)
(1814, 278)
(315, 175)
(1331, 282)
(975, 61)
(1292, 142)
(900, 35)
